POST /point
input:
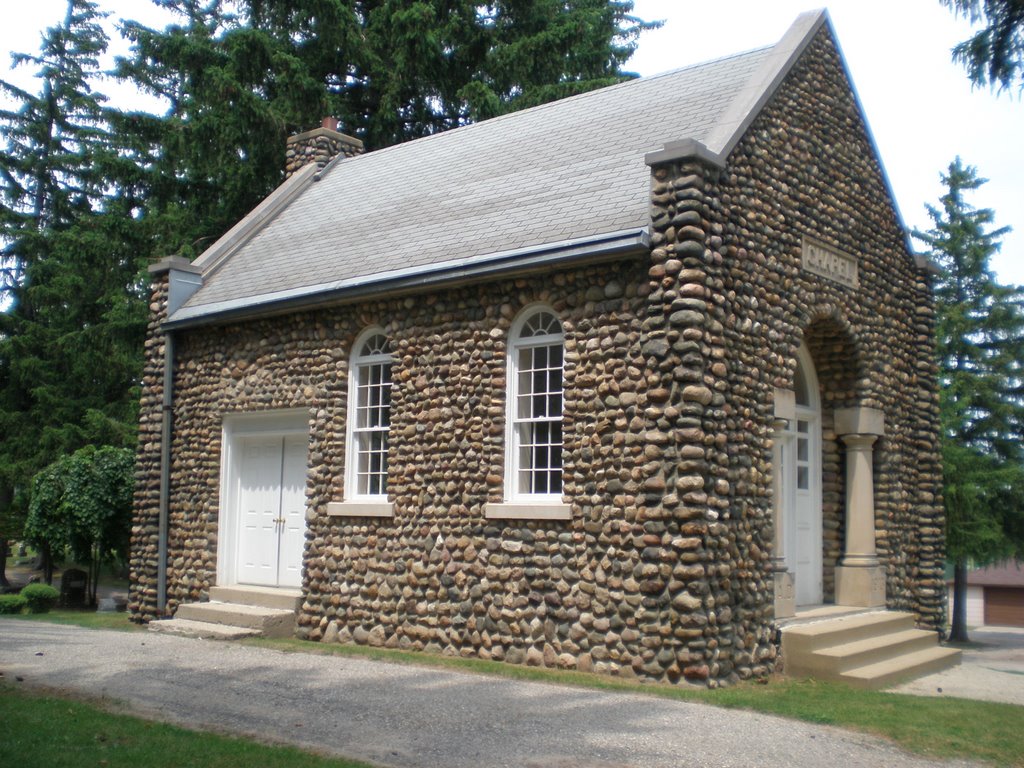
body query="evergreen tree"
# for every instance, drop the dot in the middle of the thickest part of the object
(71, 313)
(980, 345)
(45, 168)
(232, 96)
(240, 77)
(399, 70)
(995, 54)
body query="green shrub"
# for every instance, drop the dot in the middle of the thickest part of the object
(40, 598)
(12, 604)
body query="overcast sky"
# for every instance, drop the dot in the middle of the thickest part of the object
(921, 108)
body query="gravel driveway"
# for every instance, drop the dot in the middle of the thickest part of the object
(992, 669)
(399, 715)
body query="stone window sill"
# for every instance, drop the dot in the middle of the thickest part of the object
(360, 509)
(528, 511)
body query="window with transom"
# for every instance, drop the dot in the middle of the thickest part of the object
(536, 366)
(369, 417)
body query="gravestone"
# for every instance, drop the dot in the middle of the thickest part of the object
(72, 588)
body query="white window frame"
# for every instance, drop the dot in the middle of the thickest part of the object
(359, 366)
(520, 504)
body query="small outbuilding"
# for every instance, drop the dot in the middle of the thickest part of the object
(995, 595)
(612, 383)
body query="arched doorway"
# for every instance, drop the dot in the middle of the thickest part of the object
(800, 474)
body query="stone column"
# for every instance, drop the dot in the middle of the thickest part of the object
(687, 493)
(860, 579)
(785, 598)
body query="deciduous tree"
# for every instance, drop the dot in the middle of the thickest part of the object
(82, 507)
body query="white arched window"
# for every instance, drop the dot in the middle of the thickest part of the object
(534, 444)
(369, 417)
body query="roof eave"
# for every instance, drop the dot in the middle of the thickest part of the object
(532, 259)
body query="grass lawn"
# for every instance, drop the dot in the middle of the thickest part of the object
(90, 619)
(41, 730)
(935, 727)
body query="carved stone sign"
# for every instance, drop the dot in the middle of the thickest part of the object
(829, 262)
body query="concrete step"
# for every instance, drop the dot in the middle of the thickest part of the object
(907, 667)
(837, 659)
(285, 599)
(269, 622)
(806, 638)
(870, 650)
(200, 629)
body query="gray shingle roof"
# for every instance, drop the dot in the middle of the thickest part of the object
(561, 171)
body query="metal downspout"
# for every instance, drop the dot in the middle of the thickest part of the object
(165, 473)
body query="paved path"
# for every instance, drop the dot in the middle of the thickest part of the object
(408, 716)
(992, 669)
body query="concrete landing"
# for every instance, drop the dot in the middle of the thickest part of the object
(243, 594)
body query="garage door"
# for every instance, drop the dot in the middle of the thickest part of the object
(1004, 606)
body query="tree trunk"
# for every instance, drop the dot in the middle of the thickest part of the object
(6, 497)
(94, 577)
(4, 549)
(958, 632)
(47, 565)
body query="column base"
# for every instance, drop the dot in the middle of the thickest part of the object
(785, 600)
(860, 586)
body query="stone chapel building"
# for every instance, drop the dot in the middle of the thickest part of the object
(615, 383)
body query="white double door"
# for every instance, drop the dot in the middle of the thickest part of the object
(271, 508)
(801, 482)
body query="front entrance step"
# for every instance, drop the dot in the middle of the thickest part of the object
(235, 612)
(201, 629)
(871, 650)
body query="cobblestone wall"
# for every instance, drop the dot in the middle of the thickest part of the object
(807, 168)
(142, 599)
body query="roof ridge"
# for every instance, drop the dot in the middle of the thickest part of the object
(460, 130)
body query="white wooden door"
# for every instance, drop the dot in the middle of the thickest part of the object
(271, 501)
(805, 477)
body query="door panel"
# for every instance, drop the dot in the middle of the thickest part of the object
(259, 501)
(293, 511)
(807, 512)
(800, 473)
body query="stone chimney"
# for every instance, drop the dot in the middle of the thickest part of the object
(320, 146)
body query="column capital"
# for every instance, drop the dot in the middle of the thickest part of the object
(857, 442)
(784, 404)
(860, 420)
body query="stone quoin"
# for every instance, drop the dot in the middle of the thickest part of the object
(613, 384)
